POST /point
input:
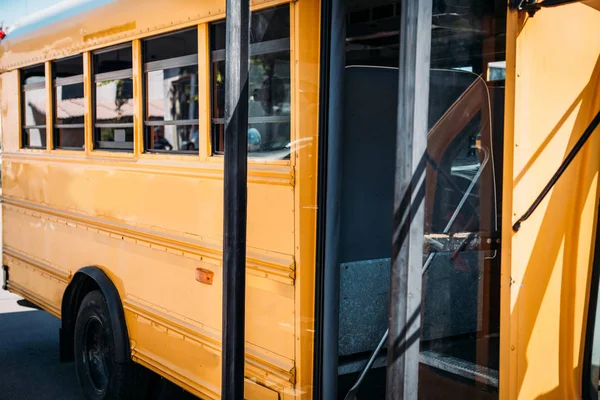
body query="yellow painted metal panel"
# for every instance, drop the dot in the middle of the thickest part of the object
(556, 82)
(138, 102)
(507, 368)
(306, 46)
(49, 107)
(87, 94)
(204, 92)
(157, 284)
(10, 95)
(36, 281)
(151, 196)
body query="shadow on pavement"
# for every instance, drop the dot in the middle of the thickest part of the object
(29, 363)
(28, 304)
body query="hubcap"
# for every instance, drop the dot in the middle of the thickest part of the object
(94, 353)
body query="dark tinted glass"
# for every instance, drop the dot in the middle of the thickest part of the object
(70, 138)
(114, 101)
(34, 137)
(269, 84)
(114, 138)
(270, 24)
(72, 66)
(172, 94)
(218, 93)
(33, 74)
(181, 138)
(33, 106)
(69, 106)
(113, 60)
(72, 91)
(171, 45)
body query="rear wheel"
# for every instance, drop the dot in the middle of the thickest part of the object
(100, 376)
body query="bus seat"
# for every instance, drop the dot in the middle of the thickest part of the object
(367, 182)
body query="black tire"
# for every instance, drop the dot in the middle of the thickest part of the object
(99, 375)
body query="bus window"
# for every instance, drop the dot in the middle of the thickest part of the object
(33, 107)
(68, 103)
(113, 97)
(269, 106)
(171, 92)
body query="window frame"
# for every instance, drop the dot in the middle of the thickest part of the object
(254, 49)
(96, 78)
(59, 82)
(24, 128)
(161, 65)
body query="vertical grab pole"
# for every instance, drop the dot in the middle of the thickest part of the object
(409, 192)
(235, 198)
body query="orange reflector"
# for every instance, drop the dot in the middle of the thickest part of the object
(204, 276)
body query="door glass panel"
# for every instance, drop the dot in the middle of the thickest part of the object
(460, 312)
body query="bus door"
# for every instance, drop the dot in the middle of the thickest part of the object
(459, 335)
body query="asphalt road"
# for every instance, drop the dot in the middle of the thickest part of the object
(29, 365)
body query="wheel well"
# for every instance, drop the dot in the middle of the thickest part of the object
(84, 281)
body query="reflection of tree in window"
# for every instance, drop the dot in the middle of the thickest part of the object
(171, 115)
(113, 117)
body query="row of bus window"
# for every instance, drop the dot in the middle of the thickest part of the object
(170, 93)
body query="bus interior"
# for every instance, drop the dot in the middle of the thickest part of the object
(460, 309)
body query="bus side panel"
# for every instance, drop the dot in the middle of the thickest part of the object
(182, 199)
(174, 320)
(10, 91)
(152, 257)
(36, 281)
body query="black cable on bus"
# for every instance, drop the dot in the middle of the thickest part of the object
(533, 6)
(574, 151)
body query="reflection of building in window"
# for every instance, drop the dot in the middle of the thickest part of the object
(171, 87)
(113, 96)
(268, 83)
(68, 88)
(496, 71)
(33, 106)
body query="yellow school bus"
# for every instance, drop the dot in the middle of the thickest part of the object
(113, 125)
